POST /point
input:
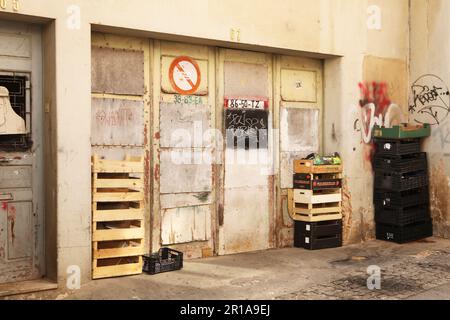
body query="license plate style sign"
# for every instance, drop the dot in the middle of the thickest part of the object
(246, 104)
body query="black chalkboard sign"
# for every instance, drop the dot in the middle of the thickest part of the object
(247, 128)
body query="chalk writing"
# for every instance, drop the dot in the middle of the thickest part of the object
(247, 128)
(115, 118)
(430, 100)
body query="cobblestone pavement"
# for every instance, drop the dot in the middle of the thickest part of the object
(410, 277)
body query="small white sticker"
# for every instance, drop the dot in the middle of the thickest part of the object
(387, 146)
(308, 227)
(306, 240)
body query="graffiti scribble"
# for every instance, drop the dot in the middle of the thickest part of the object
(430, 100)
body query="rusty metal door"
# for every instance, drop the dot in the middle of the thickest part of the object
(246, 211)
(21, 170)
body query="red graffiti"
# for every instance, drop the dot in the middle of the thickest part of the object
(376, 93)
(5, 205)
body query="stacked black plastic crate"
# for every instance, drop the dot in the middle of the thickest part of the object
(401, 196)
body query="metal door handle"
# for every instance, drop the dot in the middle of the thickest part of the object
(6, 197)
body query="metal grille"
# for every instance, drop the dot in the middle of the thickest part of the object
(20, 102)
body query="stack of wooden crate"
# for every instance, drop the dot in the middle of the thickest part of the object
(118, 216)
(315, 204)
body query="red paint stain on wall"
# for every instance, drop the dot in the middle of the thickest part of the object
(157, 136)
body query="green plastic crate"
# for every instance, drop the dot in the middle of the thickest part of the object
(402, 132)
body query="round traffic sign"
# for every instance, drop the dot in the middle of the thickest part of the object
(184, 75)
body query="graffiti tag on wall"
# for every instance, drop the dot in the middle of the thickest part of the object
(429, 101)
(376, 109)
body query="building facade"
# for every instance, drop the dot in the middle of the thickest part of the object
(108, 78)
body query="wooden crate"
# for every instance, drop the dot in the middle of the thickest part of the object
(314, 197)
(307, 166)
(117, 217)
(304, 205)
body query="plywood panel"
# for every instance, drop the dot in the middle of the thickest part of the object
(246, 80)
(117, 122)
(117, 71)
(299, 85)
(181, 178)
(299, 129)
(183, 225)
(183, 125)
(166, 86)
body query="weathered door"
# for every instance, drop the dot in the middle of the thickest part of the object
(246, 213)
(185, 93)
(21, 180)
(298, 101)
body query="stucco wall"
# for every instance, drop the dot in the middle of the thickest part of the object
(336, 29)
(430, 66)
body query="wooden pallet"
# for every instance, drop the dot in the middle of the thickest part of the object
(307, 166)
(117, 217)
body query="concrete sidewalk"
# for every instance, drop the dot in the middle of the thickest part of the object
(417, 270)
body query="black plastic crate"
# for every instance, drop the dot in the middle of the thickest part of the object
(306, 181)
(164, 260)
(318, 235)
(401, 164)
(400, 181)
(402, 216)
(397, 147)
(408, 198)
(404, 234)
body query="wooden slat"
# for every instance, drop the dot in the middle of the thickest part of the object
(318, 218)
(118, 234)
(117, 270)
(307, 196)
(117, 196)
(318, 210)
(114, 166)
(134, 184)
(118, 215)
(118, 252)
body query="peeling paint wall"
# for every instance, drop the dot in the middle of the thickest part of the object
(336, 30)
(429, 98)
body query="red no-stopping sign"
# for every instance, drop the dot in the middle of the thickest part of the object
(184, 75)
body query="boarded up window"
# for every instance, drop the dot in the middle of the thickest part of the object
(117, 71)
(244, 80)
(183, 125)
(183, 170)
(117, 122)
(299, 85)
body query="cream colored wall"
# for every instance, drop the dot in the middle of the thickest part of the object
(323, 27)
(430, 54)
